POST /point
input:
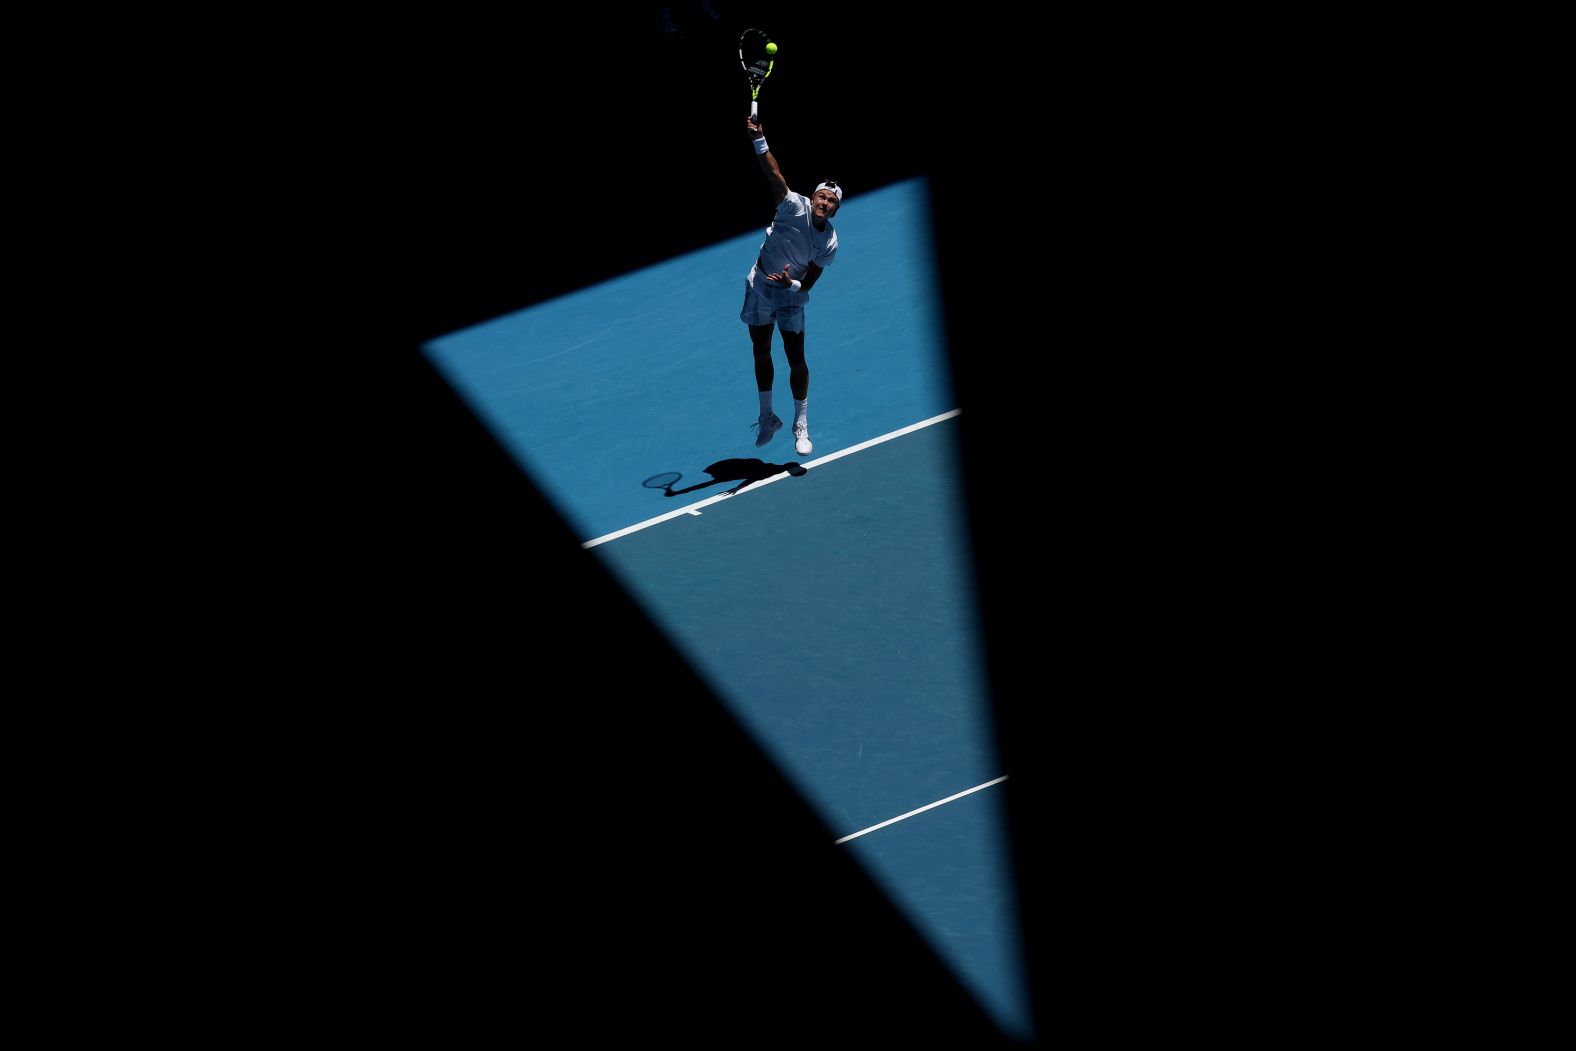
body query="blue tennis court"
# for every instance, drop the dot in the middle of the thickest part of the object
(832, 609)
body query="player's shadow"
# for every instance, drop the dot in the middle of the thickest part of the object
(743, 471)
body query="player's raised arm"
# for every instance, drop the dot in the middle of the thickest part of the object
(774, 174)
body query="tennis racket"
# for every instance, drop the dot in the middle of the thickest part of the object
(757, 62)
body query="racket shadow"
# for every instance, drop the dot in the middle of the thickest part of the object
(744, 471)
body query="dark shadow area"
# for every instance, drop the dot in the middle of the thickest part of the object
(1139, 300)
(745, 471)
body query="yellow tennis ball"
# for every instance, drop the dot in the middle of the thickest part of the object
(771, 49)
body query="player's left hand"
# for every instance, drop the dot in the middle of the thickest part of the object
(782, 280)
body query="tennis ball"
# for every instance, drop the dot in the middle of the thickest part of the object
(771, 49)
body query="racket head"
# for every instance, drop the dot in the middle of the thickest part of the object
(664, 480)
(753, 57)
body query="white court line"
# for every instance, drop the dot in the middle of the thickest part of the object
(694, 509)
(921, 810)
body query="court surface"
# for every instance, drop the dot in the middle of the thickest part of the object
(832, 610)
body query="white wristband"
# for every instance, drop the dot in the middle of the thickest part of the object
(794, 285)
(760, 144)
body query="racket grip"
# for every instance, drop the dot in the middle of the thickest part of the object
(752, 110)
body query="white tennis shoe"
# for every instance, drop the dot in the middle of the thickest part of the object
(801, 434)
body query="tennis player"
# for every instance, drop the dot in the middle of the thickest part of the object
(800, 244)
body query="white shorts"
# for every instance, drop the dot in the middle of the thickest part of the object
(765, 303)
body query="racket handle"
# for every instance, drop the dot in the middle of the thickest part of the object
(752, 111)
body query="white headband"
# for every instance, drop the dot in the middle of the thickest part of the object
(838, 190)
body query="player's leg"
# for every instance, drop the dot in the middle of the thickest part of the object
(757, 315)
(767, 423)
(799, 385)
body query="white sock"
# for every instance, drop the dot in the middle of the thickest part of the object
(766, 402)
(800, 407)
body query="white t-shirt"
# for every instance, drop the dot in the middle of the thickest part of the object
(793, 240)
